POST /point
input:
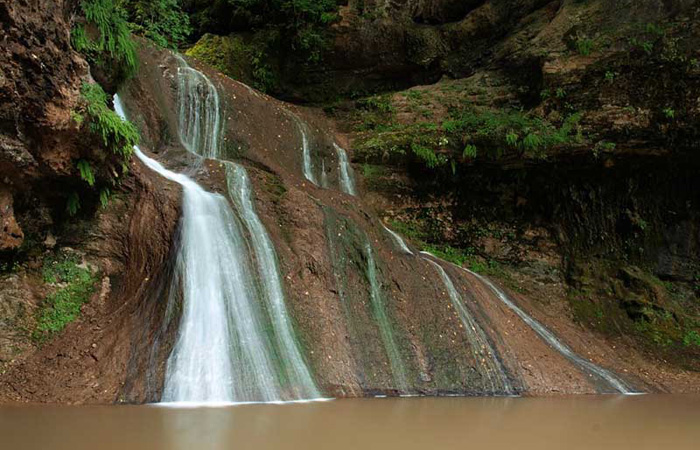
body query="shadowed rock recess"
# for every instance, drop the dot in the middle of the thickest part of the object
(473, 198)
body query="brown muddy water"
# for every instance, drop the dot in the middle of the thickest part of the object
(595, 422)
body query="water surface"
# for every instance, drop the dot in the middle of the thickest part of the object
(586, 422)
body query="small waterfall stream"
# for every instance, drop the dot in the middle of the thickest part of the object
(347, 182)
(483, 351)
(398, 240)
(296, 372)
(307, 163)
(200, 112)
(220, 354)
(398, 368)
(587, 366)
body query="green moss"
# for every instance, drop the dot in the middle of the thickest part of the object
(74, 284)
(233, 56)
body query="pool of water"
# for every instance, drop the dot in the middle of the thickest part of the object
(594, 422)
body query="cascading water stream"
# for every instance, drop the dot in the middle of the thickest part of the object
(200, 114)
(307, 164)
(297, 373)
(220, 354)
(587, 366)
(583, 364)
(225, 351)
(496, 379)
(347, 183)
(398, 369)
(398, 240)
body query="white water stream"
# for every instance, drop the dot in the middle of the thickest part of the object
(225, 351)
(347, 183)
(497, 381)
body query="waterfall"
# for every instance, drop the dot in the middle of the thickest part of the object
(585, 365)
(482, 349)
(347, 184)
(200, 114)
(297, 373)
(220, 352)
(324, 175)
(226, 351)
(398, 369)
(398, 240)
(307, 165)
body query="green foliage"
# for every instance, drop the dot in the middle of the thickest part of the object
(428, 156)
(469, 151)
(74, 286)
(302, 22)
(105, 195)
(691, 339)
(609, 76)
(113, 37)
(162, 21)
(669, 113)
(117, 135)
(241, 60)
(77, 117)
(454, 255)
(86, 172)
(603, 146)
(584, 46)
(501, 129)
(73, 203)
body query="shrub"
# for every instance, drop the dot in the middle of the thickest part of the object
(502, 129)
(302, 22)
(162, 21)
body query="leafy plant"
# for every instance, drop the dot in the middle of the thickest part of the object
(111, 39)
(469, 151)
(162, 21)
(609, 76)
(584, 46)
(105, 195)
(691, 338)
(86, 172)
(669, 113)
(117, 135)
(301, 22)
(73, 203)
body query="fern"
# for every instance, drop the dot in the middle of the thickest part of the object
(118, 136)
(427, 155)
(469, 151)
(114, 37)
(105, 195)
(73, 203)
(86, 172)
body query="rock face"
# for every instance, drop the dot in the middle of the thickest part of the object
(623, 193)
(40, 80)
(126, 242)
(11, 235)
